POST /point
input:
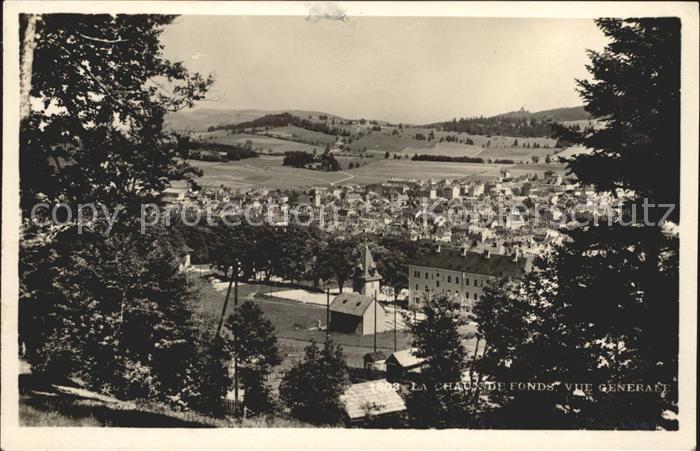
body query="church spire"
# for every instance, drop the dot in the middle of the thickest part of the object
(366, 277)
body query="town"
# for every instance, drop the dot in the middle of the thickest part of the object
(253, 221)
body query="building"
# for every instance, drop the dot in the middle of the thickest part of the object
(374, 361)
(372, 399)
(400, 363)
(460, 274)
(174, 193)
(355, 314)
(366, 279)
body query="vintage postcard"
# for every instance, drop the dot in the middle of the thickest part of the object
(367, 225)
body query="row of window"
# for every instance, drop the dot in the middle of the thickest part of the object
(477, 282)
(475, 295)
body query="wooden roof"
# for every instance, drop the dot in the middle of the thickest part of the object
(373, 397)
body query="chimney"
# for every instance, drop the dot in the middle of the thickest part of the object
(464, 251)
(487, 254)
(515, 256)
(438, 249)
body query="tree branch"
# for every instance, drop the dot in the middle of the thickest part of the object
(105, 41)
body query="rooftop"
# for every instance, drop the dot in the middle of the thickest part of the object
(373, 397)
(406, 358)
(474, 262)
(351, 304)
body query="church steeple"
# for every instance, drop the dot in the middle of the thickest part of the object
(366, 276)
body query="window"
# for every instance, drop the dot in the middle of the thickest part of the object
(417, 287)
(416, 274)
(426, 275)
(475, 296)
(437, 284)
(456, 279)
(466, 282)
(449, 279)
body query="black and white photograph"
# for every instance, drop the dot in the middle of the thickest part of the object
(330, 216)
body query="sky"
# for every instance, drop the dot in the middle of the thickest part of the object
(399, 69)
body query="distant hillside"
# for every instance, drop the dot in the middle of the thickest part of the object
(576, 113)
(200, 119)
(520, 124)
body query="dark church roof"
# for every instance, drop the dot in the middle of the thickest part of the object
(474, 262)
(366, 268)
(351, 304)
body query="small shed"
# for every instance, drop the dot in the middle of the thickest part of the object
(372, 399)
(400, 363)
(355, 313)
(375, 361)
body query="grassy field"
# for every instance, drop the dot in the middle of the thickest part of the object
(263, 144)
(293, 133)
(269, 172)
(265, 171)
(516, 154)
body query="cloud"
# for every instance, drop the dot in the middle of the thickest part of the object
(197, 55)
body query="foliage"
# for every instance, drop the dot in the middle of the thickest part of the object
(462, 159)
(338, 258)
(109, 308)
(283, 120)
(98, 134)
(311, 389)
(119, 315)
(598, 310)
(603, 308)
(301, 159)
(636, 93)
(298, 159)
(437, 339)
(255, 349)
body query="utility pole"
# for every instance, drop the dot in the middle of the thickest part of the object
(375, 321)
(228, 294)
(235, 338)
(328, 313)
(395, 332)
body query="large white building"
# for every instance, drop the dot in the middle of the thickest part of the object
(459, 274)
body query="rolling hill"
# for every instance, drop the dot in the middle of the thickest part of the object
(200, 119)
(576, 113)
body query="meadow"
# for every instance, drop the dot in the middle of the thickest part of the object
(269, 172)
(262, 144)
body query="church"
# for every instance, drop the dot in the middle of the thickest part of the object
(359, 312)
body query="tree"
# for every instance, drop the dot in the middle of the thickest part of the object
(340, 255)
(437, 339)
(547, 159)
(515, 143)
(605, 304)
(386, 154)
(636, 92)
(256, 353)
(108, 304)
(311, 389)
(100, 87)
(233, 252)
(595, 310)
(117, 313)
(535, 159)
(293, 251)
